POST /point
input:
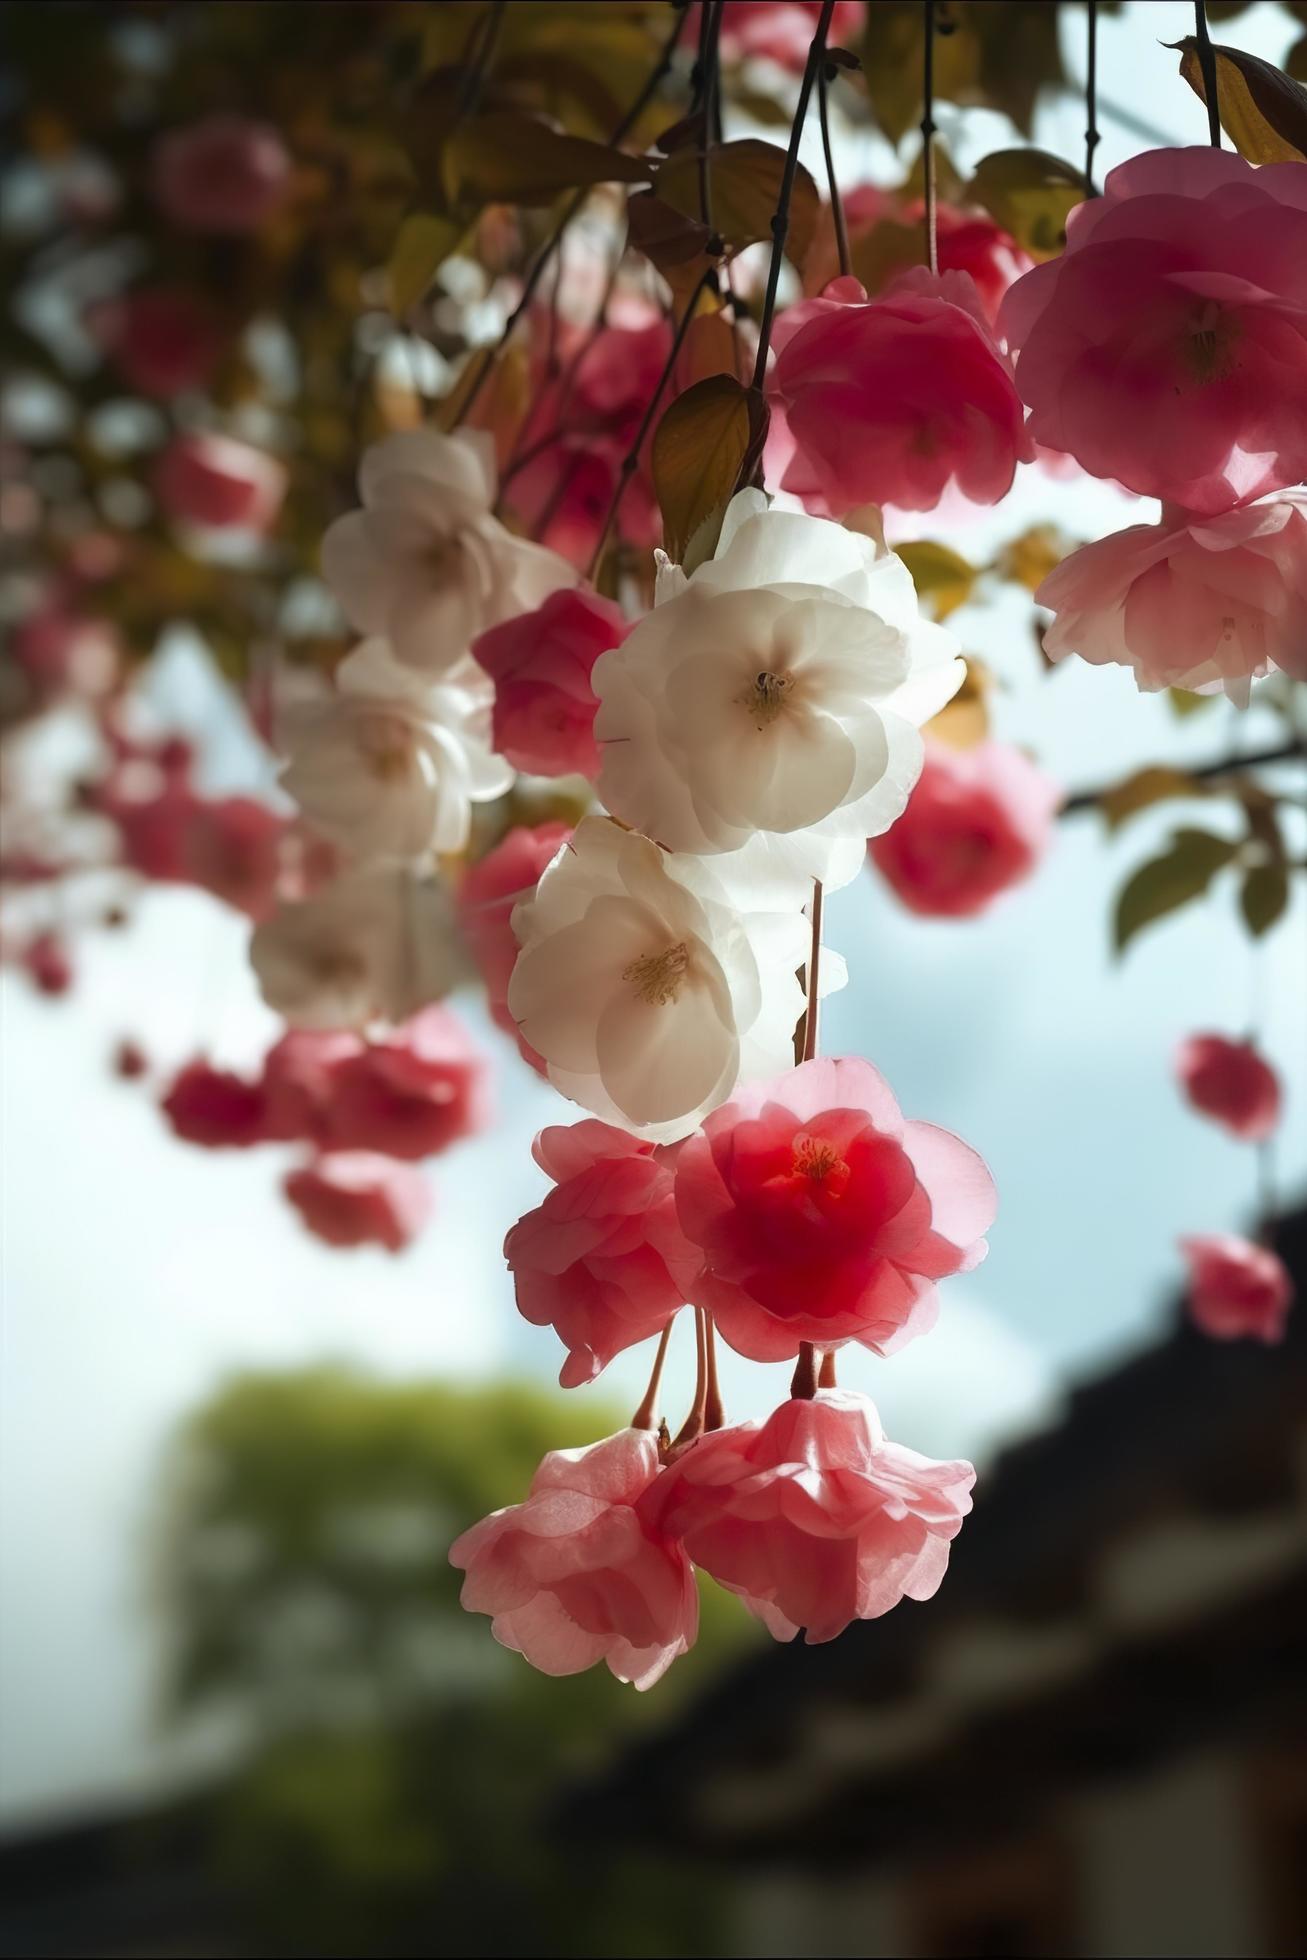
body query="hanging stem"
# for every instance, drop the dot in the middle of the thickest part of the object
(647, 1411)
(804, 1383)
(780, 224)
(714, 1415)
(475, 66)
(928, 135)
(707, 78)
(692, 1428)
(811, 1013)
(1207, 62)
(1091, 98)
(836, 201)
(826, 1379)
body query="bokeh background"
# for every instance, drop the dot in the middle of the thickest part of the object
(239, 1709)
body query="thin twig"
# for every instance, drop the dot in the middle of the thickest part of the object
(1205, 772)
(780, 224)
(1207, 62)
(1091, 98)
(928, 135)
(812, 1011)
(836, 201)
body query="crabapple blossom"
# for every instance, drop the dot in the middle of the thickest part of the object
(1167, 346)
(412, 1094)
(1192, 602)
(489, 891)
(47, 963)
(602, 1259)
(352, 1197)
(643, 987)
(375, 944)
(576, 1575)
(392, 765)
(813, 1518)
(425, 562)
(216, 483)
(822, 1216)
(540, 664)
(978, 822)
(225, 174)
(1237, 1289)
(897, 399)
(299, 1077)
(775, 694)
(782, 30)
(886, 237)
(1230, 1082)
(162, 341)
(216, 1108)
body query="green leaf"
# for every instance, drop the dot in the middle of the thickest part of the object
(744, 188)
(1264, 897)
(1030, 194)
(1171, 881)
(425, 240)
(1263, 111)
(1145, 787)
(502, 156)
(940, 574)
(699, 448)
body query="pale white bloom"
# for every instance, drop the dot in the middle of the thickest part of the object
(774, 695)
(391, 765)
(425, 562)
(646, 990)
(375, 945)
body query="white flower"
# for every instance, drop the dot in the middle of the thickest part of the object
(392, 764)
(774, 694)
(646, 991)
(424, 561)
(376, 945)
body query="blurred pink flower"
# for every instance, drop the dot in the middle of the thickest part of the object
(224, 174)
(412, 1094)
(812, 1517)
(231, 846)
(1230, 1082)
(486, 899)
(780, 30)
(162, 341)
(299, 1076)
(353, 1198)
(47, 962)
(575, 1575)
(540, 664)
(219, 484)
(602, 1259)
(1237, 1289)
(216, 1108)
(978, 821)
(968, 241)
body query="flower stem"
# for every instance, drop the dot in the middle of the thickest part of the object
(836, 201)
(826, 1379)
(707, 77)
(644, 1415)
(1091, 98)
(780, 224)
(812, 1011)
(1207, 62)
(692, 1428)
(804, 1384)
(928, 135)
(714, 1414)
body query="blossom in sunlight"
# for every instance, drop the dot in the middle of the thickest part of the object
(224, 174)
(163, 341)
(1167, 346)
(540, 664)
(575, 1575)
(645, 990)
(822, 1216)
(602, 1259)
(215, 1107)
(489, 891)
(216, 483)
(392, 764)
(425, 562)
(1237, 1290)
(1230, 1082)
(411, 1094)
(377, 944)
(1193, 602)
(775, 693)
(813, 1518)
(978, 822)
(354, 1198)
(897, 399)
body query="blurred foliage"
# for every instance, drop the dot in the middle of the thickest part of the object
(398, 1773)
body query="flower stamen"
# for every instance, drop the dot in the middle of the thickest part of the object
(764, 699)
(657, 977)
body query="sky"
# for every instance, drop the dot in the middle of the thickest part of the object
(138, 1273)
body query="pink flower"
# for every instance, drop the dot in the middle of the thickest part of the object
(219, 484)
(822, 1216)
(299, 1079)
(540, 664)
(1198, 602)
(486, 899)
(812, 1517)
(224, 174)
(780, 30)
(414, 1093)
(231, 846)
(898, 399)
(1237, 1289)
(46, 961)
(1167, 346)
(603, 1259)
(215, 1108)
(978, 821)
(1229, 1081)
(576, 1575)
(887, 237)
(162, 342)
(57, 650)
(353, 1198)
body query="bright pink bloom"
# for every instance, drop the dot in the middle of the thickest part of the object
(486, 899)
(780, 30)
(353, 1198)
(540, 664)
(57, 649)
(1190, 602)
(603, 1259)
(414, 1093)
(898, 399)
(1237, 1289)
(1167, 346)
(1230, 1082)
(162, 342)
(969, 241)
(225, 174)
(215, 1108)
(219, 484)
(46, 961)
(231, 846)
(575, 1575)
(822, 1216)
(299, 1080)
(978, 821)
(812, 1517)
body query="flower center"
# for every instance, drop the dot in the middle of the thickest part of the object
(764, 699)
(657, 977)
(818, 1159)
(1209, 344)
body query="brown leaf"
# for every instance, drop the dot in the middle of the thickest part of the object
(501, 156)
(744, 187)
(699, 449)
(674, 244)
(1146, 787)
(1263, 111)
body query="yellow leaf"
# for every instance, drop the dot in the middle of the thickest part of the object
(1030, 194)
(942, 576)
(1029, 559)
(964, 722)
(1263, 111)
(504, 157)
(424, 242)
